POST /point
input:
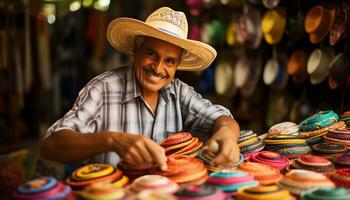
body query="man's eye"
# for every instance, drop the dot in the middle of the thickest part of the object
(171, 62)
(151, 54)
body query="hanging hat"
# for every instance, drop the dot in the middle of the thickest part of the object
(338, 71)
(224, 79)
(275, 73)
(270, 4)
(318, 21)
(317, 64)
(167, 25)
(273, 25)
(339, 27)
(297, 65)
(231, 33)
(255, 68)
(195, 6)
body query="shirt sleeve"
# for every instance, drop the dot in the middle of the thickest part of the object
(85, 115)
(198, 114)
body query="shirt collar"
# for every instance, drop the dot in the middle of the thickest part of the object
(133, 89)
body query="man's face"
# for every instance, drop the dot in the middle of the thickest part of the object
(155, 64)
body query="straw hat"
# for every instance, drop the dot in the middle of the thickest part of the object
(273, 25)
(165, 24)
(317, 64)
(297, 65)
(318, 21)
(270, 4)
(224, 79)
(339, 27)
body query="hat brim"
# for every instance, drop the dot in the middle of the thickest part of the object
(121, 33)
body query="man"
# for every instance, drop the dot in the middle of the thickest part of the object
(126, 112)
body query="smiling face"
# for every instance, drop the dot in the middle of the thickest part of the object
(155, 64)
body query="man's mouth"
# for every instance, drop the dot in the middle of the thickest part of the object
(151, 72)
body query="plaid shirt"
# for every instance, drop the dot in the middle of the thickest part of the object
(112, 101)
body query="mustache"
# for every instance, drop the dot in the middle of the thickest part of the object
(151, 71)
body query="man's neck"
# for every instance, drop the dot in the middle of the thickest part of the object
(151, 98)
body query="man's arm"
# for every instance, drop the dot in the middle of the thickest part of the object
(68, 146)
(226, 133)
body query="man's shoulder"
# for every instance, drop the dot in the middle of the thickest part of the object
(116, 74)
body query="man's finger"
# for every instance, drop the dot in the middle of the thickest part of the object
(158, 154)
(224, 152)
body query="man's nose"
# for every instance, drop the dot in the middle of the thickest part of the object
(158, 68)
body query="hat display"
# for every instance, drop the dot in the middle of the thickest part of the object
(326, 193)
(313, 163)
(341, 177)
(275, 73)
(231, 33)
(339, 71)
(346, 117)
(273, 25)
(317, 64)
(181, 143)
(255, 68)
(231, 181)
(270, 192)
(338, 136)
(328, 150)
(339, 27)
(96, 173)
(200, 192)
(319, 120)
(283, 130)
(318, 21)
(265, 174)
(249, 142)
(167, 25)
(153, 182)
(298, 181)
(342, 160)
(103, 191)
(43, 188)
(270, 158)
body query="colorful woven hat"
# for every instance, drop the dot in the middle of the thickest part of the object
(346, 117)
(265, 174)
(231, 181)
(297, 65)
(263, 192)
(341, 177)
(249, 142)
(270, 158)
(328, 150)
(200, 192)
(322, 131)
(342, 160)
(181, 143)
(153, 182)
(298, 181)
(339, 136)
(43, 188)
(96, 173)
(317, 64)
(291, 148)
(184, 170)
(273, 25)
(319, 120)
(207, 156)
(283, 128)
(151, 194)
(313, 163)
(103, 191)
(326, 193)
(135, 171)
(318, 21)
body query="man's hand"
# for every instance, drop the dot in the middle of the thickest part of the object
(226, 134)
(138, 149)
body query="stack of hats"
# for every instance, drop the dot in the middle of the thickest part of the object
(317, 125)
(270, 158)
(328, 150)
(153, 182)
(342, 160)
(184, 170)
(249, 142)
(316, 136)
(265, 174)
(181, 143)
(340, 136)
(151, 195)
(346, 117)
(201, 192)
(207, 156)
(326, 193)
(135, 171)
(271, 192)
(313, 163)
(43, 188)
(341, 177)
(288, 147)
(96, 173)
(283, 130)
(231, 181)
(103, 191)
(298, 181)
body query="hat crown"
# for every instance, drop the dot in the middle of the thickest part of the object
(169, 21)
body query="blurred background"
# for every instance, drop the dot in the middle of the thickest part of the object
(264, 72)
